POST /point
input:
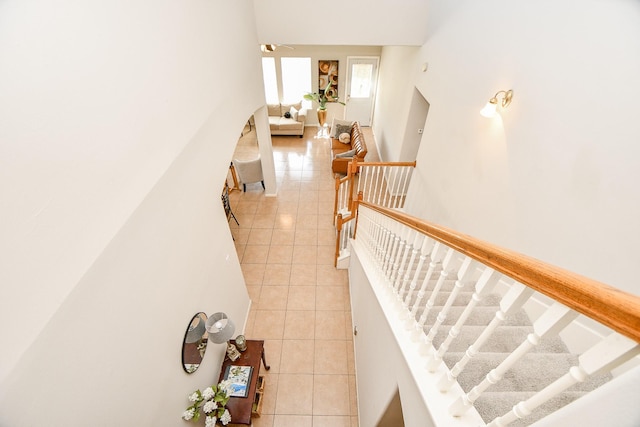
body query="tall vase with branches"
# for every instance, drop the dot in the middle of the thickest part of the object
(322, 99)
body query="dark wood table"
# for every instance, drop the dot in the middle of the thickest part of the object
(240, 407)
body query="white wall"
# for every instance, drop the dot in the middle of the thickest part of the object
(376, 351)
(117, 129)
(556, 176)
(395, 91)
(356, 22)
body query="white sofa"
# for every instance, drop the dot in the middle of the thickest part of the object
(281, 125)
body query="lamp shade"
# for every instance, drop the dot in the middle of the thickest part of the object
(195, 332)
(489, 110)
(220, 328)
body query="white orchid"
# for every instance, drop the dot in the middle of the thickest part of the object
(225, 418)
(209, 407)
(208, 393)
(210, 422)
(187, 415)
(226, 386)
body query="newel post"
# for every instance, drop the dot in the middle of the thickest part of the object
(356, 204)
(352, 169)
(338, 233)
(335, 203)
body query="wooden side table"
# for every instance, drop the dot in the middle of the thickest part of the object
(241, 408)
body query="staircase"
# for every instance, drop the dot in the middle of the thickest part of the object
(546, 362)
(383, 183)
(457, 310)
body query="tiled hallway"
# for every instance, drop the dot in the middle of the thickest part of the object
(300, 302)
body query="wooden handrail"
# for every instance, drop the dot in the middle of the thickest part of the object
(387, 163)
(612, 307)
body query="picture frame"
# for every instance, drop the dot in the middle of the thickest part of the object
(240, 377)
(328, 76)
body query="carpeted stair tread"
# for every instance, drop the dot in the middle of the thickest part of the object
(541, 366)
(505, 339)
(532, 372)
(492, 405)
(462, 299)
(481, 315)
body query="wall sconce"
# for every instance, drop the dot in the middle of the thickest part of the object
(267, 47)
(489, 110)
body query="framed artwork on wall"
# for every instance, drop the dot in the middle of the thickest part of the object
(328, 79)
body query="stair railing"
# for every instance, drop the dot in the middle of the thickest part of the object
(382, 183)
(414, 258)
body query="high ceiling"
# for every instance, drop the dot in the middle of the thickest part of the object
(353, 22)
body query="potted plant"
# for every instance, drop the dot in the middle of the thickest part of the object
(322, 99)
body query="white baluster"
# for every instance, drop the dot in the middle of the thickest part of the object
(447, 265)
(436, 256)
(427, 248)
(419, 240)
(386, 239)
(608, 354)
(407, 238)
(405, 183)
(484, 287)
(464, 274)
(393, 252)
(371, 193)
(551, 322)
(512, 301)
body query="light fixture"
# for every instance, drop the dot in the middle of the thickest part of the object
(221, 329)
(489, 110)
(267, 47)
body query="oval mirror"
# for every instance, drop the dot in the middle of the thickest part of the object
(195, 343)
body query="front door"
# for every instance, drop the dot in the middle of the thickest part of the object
(362, 75)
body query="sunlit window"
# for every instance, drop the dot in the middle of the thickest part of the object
(296, 80)
(361, 76)
(270, 80)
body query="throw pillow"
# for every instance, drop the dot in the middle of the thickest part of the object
(333, 133)
(287, 115)
(293, 113)
(273, 110)
(349, 153)
(340, 129)
(345, 138)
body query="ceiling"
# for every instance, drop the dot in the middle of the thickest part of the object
(354, 22)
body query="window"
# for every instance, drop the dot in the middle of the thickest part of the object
(296, 80)
(270, 80)
(361, 75)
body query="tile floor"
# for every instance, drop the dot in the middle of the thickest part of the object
(300, 302)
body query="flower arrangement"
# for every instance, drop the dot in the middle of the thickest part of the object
(212, 400)
(321, 99)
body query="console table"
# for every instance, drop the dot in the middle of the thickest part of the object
(242, 408)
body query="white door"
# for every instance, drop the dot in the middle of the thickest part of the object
(362, 76)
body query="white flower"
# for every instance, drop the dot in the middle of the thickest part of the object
(226, 386)
(193, 397)
(187, 415)
(210, 406)
(207, 393)
(210, 422)
(225, 418)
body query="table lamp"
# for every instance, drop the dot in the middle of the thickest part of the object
(221, 329)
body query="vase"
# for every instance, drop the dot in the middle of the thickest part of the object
(322, 116)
